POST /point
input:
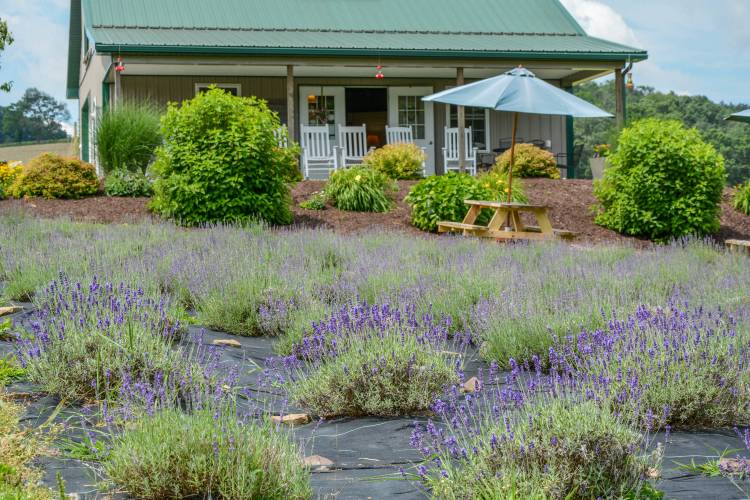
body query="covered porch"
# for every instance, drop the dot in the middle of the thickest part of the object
(336, 91)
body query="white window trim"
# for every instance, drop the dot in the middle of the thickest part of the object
(236, 86)
(488, 132)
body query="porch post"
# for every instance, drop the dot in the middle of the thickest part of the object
(291, 119)
(619, 99)
(570, 143)
(461, 118)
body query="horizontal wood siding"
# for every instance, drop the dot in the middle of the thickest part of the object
(163, 89)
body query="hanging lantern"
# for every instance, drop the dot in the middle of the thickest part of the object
(379, 75)
(629, 84)
(120, 66)
(312, 99)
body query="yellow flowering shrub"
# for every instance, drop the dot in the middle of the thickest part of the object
(397, 161)
(52, 176)
(8, 174)
(530, 161)
(498, 184)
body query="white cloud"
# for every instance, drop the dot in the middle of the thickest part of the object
(602, 21)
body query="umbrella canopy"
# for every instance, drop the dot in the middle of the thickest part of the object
(742, 116)
(519, 91)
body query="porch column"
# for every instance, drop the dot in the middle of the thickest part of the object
(291, 119)
(619, 99)
(461, 118)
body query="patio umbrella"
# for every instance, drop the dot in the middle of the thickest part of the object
(742, 116)
(518, 91)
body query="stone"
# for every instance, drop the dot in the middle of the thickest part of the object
(471, 386)
(292, 419)
(653, 473)
(318, 463)
(10, 310)
(227, 343)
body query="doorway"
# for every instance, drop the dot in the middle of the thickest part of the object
(368, 106)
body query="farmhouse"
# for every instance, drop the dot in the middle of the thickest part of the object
(338, 62)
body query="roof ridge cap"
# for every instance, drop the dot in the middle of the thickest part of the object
(334, 30)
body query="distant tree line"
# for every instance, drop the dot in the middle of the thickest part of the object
(731, 139)
(37, 116)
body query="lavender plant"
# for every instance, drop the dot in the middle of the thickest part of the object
(372, 360)
(83, 341)
(207, 453)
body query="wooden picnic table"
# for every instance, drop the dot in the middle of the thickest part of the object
(504, 213)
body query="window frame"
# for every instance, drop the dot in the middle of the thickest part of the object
(236, 86)
(488, 132)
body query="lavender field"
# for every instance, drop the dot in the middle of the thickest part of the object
(153, 358)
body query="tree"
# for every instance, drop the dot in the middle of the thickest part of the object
(5, 40)
(37, 116)
(732, 140)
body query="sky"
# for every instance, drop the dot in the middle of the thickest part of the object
(696, 47)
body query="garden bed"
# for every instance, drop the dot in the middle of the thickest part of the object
(571, 202)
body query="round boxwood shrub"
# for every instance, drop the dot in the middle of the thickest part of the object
(52, 176)
(127, 183)
(397, 161)
(360, 189)
(741, 198)
(530, 161)
(663, 182)
(127, 137)
(441, 198)
(221, 162)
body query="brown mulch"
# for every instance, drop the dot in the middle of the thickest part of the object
(571, 203)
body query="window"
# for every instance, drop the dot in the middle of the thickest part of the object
(479, 121)
(233, 88)
(322, 111)
(411, 114)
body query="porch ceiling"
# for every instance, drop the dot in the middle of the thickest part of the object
(187, 68)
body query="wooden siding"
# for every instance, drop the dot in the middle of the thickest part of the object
(163, 89)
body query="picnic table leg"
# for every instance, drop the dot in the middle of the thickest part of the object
(544, 223)
(472, 214)
(498, 219)
(517, 224)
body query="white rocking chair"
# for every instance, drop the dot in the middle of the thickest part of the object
(282, 137)
(353, 145)
(404, 135)
(318, 154)
(451, 155)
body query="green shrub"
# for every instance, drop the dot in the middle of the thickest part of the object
(127, 183)
(397, 161)
(530, 161)
(221, 162)
(742, 198)
(315, 202)
(10, 371)
(52, 176)
(359, 189)
(127, 137)
(207, 454)
(442, 197)
(663, 182)
(556, 449)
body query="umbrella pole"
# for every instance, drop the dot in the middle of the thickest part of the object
(512, 157)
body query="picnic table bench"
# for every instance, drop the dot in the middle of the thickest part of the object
(505, 212)
(738, 245)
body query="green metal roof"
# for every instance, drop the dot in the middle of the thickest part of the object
(527, 29)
